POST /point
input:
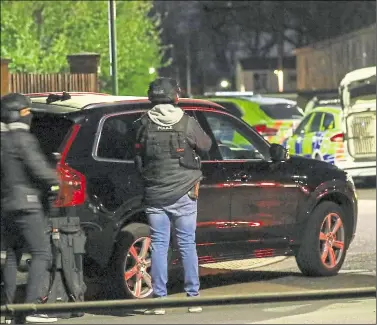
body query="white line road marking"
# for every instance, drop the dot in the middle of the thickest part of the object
(354, 271)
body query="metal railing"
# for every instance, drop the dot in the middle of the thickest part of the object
(88, 306)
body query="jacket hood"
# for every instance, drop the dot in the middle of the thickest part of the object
(18, 126)
(165, 114)
(4, 127)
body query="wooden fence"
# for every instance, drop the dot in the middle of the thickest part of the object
(35, 83)
(323, 65)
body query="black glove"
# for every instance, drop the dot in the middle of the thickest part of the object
(52, 195)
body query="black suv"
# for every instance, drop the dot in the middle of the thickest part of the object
(254, 200)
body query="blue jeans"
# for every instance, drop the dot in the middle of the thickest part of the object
(182, 215)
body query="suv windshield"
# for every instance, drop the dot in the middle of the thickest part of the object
(282, 111)
(50, 131)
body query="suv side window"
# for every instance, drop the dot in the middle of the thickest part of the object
(233, 139)
(302, 126)
(117, 137)
(316, 122)
(328, 122)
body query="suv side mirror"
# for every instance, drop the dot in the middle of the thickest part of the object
(278, 153)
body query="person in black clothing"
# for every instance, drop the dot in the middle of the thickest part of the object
(168, 145)
(25, 174)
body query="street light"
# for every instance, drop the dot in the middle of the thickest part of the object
(280, 76)
(113, 46)
(224, 84)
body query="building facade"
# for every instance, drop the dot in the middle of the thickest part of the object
(261, 75)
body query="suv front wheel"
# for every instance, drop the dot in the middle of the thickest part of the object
(323, 249)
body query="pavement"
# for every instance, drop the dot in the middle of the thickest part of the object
(358, 311)
(273, 275)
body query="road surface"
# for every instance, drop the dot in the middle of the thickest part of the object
(358, 311)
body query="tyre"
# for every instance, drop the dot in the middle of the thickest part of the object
(132, 262)
(323, 249)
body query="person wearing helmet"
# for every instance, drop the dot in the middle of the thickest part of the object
(25, 174)
(168, 148)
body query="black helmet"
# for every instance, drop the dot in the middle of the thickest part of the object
(164, 90)
(13, 106)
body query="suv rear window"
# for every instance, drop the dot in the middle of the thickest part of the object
(50, 131)
(282, 111)
(117, 140)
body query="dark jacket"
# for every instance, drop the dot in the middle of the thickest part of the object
(25, 173)
(168, 179)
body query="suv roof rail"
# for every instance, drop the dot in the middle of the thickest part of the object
(55, 97)
(72, 93)
(333, 101)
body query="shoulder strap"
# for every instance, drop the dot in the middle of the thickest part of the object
(142, 124)
(186, 120)
(182, 124)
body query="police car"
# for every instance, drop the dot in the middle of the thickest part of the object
(319, 135)
(273, 118)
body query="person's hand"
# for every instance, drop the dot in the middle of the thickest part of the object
(53, 192)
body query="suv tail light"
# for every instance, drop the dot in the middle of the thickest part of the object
(72, 187)
(72, 182)
(262, 129)
(339, 137)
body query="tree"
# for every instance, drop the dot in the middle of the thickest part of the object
(38, 35)
(314, 21)
(222, 29)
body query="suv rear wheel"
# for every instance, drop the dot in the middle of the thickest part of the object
(132, 263)
(323, 250)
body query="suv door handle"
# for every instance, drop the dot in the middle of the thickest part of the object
(243, 176)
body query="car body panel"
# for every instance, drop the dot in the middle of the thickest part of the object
(317, 144)
(245, 208)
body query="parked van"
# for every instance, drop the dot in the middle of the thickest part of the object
(357, 93)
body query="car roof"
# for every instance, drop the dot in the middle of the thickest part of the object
(328, 102)
(270, 100)
(358, 75)
(334, 109)
(226, 99)
(255, 99)
(229, 93)
(81, 101)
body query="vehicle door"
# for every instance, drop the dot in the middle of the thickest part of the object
(313, 137)
(295, 143)
(264, 195)
(332, 146)
(112, 179)
(213, 225)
